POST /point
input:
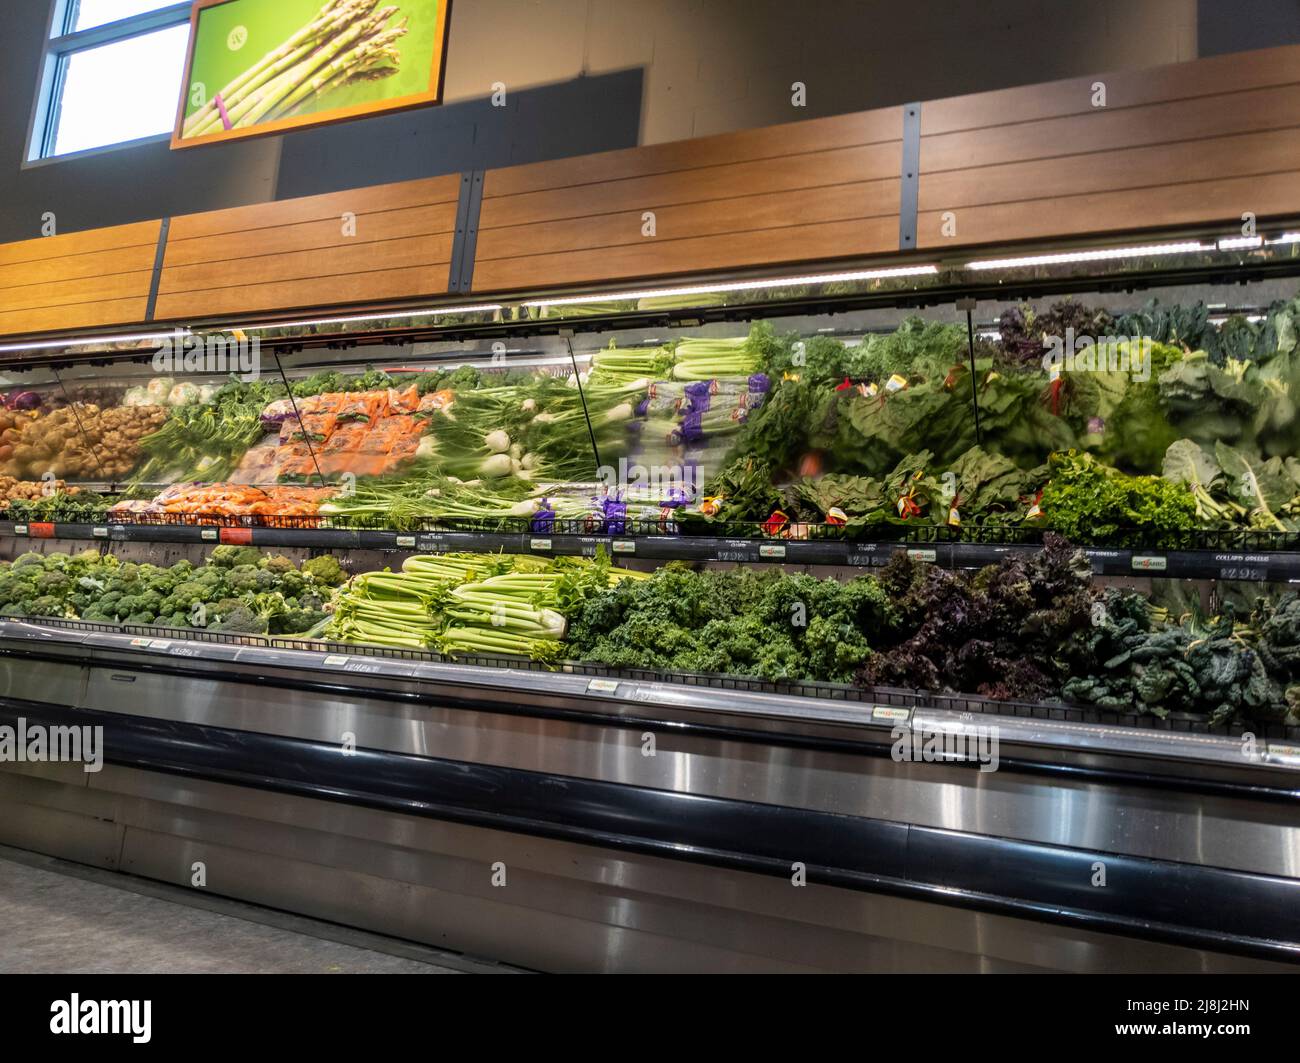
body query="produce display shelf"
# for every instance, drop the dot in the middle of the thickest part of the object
(888, 705)
(1230, 559)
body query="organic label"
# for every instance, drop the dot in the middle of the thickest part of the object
(771, 550)
(885, 712)
(602, 686)
(1150, 564)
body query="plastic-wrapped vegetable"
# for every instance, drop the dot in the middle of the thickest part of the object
(158, 389)
(183, 395)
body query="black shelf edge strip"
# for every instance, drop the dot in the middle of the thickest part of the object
(1151, 899)
(1228, 562)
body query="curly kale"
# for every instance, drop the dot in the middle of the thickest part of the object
(768, 625)
(997, 633)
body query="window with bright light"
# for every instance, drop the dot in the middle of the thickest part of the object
(112, 74)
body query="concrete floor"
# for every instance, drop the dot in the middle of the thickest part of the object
(57, 917)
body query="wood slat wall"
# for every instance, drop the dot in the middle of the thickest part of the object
(294, 254)
(821, 189)
(1192, 143)
(89, 279)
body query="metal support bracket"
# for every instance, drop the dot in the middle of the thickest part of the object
(910, 177)
(468, 207)
(158, 257)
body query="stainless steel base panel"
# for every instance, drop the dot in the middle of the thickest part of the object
(533, 902)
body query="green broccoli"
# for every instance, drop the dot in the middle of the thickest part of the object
(29, 558)
(241, 620)
(15, 590)
(53, 583)
(227, 556)
(248, 579)
(292, 583)
(277, 563)
(325, 570)
(47, 605)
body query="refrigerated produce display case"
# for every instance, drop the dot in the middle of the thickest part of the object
(830, 628)
(815, 590)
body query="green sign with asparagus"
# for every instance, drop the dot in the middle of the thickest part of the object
(265, 66)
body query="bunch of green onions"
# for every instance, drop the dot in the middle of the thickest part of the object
(348, 41)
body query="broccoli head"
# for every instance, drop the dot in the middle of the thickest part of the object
(14, 589)
(249, 579)
(47, 605)
(325, 570)
(277, 563)
(241, 620)
(29, 558)
(227, 556)
(53, 583)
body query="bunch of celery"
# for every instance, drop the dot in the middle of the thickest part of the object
(471, 603)
(707, 359)
(347, 41)
(613, 366)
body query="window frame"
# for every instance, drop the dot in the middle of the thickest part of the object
(61, 43)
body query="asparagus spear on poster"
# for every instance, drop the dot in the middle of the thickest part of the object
(347, 41)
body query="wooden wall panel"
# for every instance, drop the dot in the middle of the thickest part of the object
(295, 254)
(809, 191)
(95, 278)
(1196, 143)
(1234, 72)
(1187, 203)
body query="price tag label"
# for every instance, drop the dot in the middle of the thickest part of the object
(20, 529)
(890, 713)
(142, 644)
(1149, 563)
(774, 550)
(336, 660)
(623, 546)
(406, 541)
(1286, 753)
(540, 544)
(208, 535)
(41, 531)
(602, 686)
(236, 536)
(99, 533)
(917, 554)
(1246, 572)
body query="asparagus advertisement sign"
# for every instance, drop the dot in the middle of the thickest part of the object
(264, 66)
